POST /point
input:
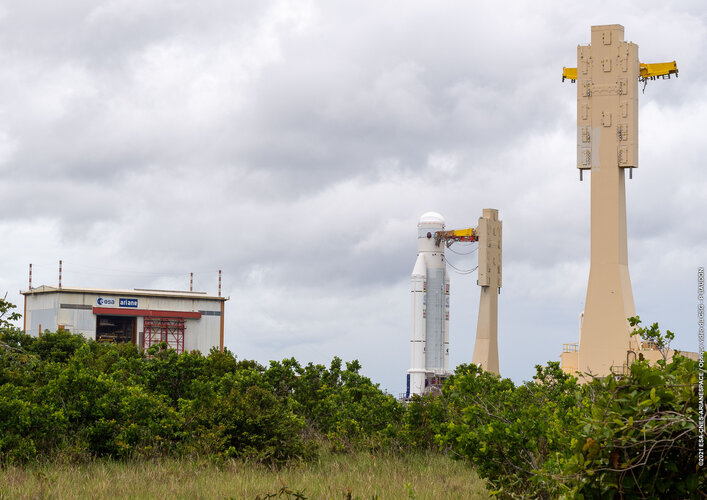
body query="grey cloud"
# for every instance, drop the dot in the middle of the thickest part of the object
(294, 145)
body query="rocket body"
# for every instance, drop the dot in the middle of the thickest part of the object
(429, 342)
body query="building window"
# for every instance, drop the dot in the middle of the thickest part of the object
(115, 329)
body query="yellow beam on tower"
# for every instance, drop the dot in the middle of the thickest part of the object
(659, 69)
(468, 234)
(647, 71)
(569, 74)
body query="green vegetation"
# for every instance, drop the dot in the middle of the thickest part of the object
(114, 410)
(637, 435)
(653, 335)
(82, 399)
(7, 315)
(632, 436)
(513, 435)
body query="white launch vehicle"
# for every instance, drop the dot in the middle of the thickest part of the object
(429, 342)
(430, 308)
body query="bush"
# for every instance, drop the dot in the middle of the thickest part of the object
(509, 433)
(238, 417)
(619, 436)
(345, 406)
(28, 428)
(58, 346)
(638, 434)
(16, 339)
(423, 421)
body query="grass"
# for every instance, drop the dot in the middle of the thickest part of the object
(356, 476)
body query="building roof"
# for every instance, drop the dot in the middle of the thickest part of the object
(177, 294)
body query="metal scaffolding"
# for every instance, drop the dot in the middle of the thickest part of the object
(170, 330)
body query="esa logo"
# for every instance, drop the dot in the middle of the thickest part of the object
(105, 302)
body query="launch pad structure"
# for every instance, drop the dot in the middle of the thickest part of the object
(429, 343)
(607, 75)
(486, 345)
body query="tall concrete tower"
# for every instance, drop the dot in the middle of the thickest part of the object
(607, 76)
(489, 235)
(607, 144)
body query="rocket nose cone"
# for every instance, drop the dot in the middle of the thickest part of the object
(431, 218)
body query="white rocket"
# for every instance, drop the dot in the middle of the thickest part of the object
(429, 345)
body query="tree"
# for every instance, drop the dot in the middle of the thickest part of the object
(11, 337)
(653, 336)
(7, 316)
(510, 433)
(638, 435)
(58, 346)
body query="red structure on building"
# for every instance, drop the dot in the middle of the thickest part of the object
(170, 330)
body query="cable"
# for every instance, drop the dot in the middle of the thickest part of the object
(463, 253)
(456, 269)
(460, 271)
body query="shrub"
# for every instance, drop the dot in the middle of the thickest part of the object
(239, 418)
(638, 435)
(423, 421)
(28, 428)
(57, 346)
(510, 432)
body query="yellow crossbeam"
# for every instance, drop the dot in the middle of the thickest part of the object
(658, 69)
(468, 234)
(460, 233)
(651, 70)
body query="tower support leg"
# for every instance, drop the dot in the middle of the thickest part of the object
(486, 346)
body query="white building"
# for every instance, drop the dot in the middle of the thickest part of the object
(185, 320)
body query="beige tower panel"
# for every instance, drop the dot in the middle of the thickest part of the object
(607, 98)
(489, 234)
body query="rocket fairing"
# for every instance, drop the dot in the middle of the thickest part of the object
(429, 343)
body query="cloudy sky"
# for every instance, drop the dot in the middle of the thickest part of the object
(294, 144)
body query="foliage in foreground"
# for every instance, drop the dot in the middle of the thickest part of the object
(637, 436)
(65, 395)
(632, 435)
(511, 433)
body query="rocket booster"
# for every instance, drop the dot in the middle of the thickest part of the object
(429, 343)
